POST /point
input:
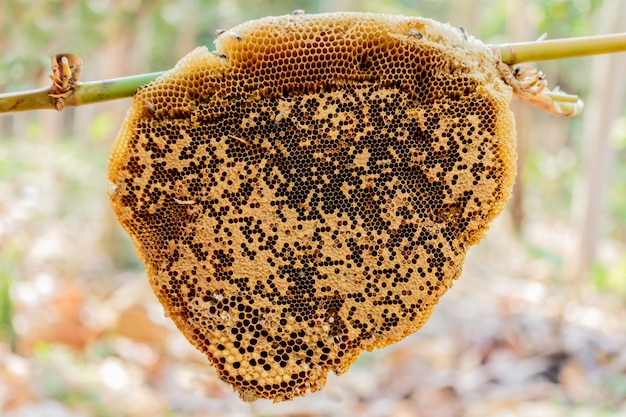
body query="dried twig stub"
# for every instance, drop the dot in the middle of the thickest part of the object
(66, 70)
(530, 85)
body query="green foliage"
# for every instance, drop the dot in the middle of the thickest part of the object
(102, 126)
(610, 278)
(577, 16)
(67, 378)
(7, 271)
(546, 173)
(617, 186)
(554, 259)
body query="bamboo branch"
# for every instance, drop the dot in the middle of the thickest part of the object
(515, 53)
(112, 89)
(86, 93)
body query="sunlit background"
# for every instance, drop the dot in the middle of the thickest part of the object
(536, 326)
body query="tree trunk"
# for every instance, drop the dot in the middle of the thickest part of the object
(604, 105)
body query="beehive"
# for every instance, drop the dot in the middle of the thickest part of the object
(309, 190)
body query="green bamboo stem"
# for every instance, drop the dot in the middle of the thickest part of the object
(86, 93)
(515, 53)
(112, 89)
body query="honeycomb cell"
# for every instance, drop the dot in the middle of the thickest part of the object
(309, 190)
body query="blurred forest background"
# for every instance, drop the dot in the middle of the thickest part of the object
(536, 326)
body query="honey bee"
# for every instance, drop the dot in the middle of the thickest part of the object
(415, 33)
(464, 32)
(150, 107)
(219, 54)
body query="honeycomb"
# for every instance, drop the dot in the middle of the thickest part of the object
(308, 190)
